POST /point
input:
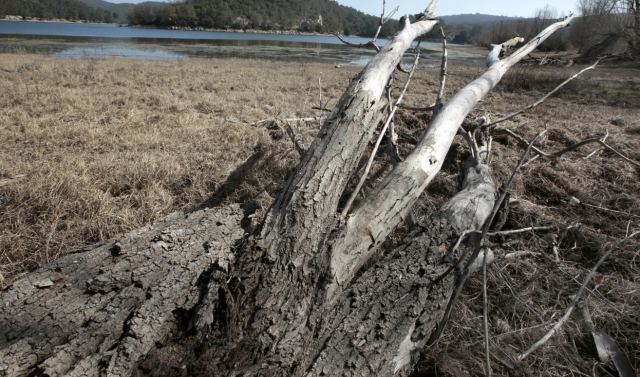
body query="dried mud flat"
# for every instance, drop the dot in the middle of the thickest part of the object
(91, 149)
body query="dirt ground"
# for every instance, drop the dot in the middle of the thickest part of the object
(91, 149)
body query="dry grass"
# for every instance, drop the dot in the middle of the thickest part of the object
(94, 148)
(91, 149)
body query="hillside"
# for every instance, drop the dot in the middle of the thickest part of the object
(122, 9)
(476, 19)
(55, 9)
(300, 15)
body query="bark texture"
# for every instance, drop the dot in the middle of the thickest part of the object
(99, 312)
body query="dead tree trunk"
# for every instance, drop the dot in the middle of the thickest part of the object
(293, 299)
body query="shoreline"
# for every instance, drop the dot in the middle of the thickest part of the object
(247, 31)
(54, 20)
(174, 28)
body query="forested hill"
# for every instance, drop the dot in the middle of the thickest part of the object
(55, 9)
(324, 16)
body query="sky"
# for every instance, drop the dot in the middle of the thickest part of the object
(447, 7)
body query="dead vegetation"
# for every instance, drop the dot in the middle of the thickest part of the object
(92, 149)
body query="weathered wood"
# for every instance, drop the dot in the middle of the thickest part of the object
(107, 308)
(371, 222)
(380, 324)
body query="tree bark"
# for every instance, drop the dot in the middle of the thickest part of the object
(99, 312)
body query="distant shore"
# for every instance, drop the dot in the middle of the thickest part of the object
(177, 28)
(53, 20)
(249, 31)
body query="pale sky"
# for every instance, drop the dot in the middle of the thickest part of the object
(446, 7)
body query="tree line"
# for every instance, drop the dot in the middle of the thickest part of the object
(604, 27)
(53, 9)
(323, 16)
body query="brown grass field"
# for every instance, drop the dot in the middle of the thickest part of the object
(90, 149)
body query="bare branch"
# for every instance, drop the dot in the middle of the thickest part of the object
(574, 302)
(485, 315)
(372, 43)
(494, 55)
(598, 149)
(418, 109)
(541, 100)
(610, 210)
(430, 12)
(392, 136)
(519, 231)
(443, 73)
(297, 143)
(573, 147)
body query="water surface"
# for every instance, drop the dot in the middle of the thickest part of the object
(102, 41)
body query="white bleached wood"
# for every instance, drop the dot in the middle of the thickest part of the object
(494, 55)
(371, 222)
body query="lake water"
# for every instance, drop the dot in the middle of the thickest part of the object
(100, 41)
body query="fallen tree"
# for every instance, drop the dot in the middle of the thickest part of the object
(306, 294)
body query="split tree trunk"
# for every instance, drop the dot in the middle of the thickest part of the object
(294, 299)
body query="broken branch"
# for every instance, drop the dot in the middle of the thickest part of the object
(372, 43)
(552, 155)
(541, 100)
(443, 73)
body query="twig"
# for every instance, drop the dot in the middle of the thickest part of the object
(262, 122)
(574, 302)
(297, 143)
(392, 136)
(518, 254)
(415, 108)
(321, 109)
(518, 231)
(573, 147)
(610, 210)
(541, 100)
(372, 43)
(487, 225)
(394, 109)
(485, 314)
(321, 105)
(443, 74)
(597, 150)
